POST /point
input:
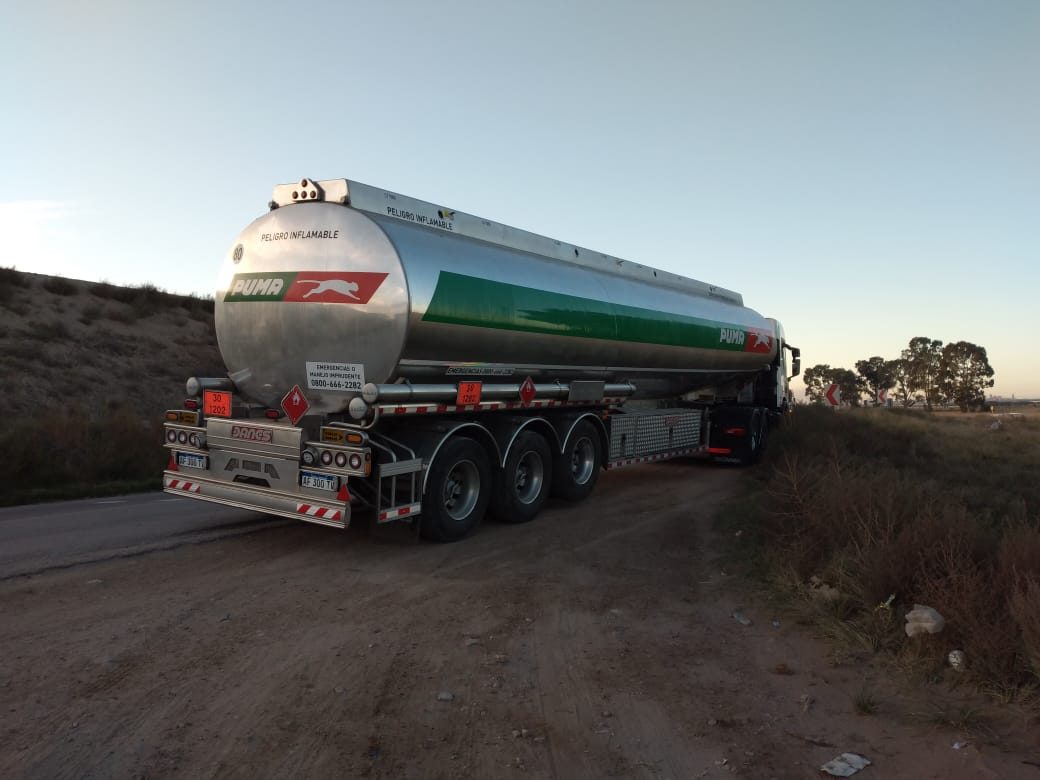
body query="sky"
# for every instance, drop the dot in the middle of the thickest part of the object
(864, 172)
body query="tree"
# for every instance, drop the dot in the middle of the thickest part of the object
(816, 379)
(878, 374)
(923, 359)
(820, 377)
(964, 374)
(850, 385)
(901, 376)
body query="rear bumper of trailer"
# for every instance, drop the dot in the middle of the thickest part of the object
(331, 513)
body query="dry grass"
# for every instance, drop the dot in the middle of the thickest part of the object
(84, 390)
(892, 510)
(62, 453)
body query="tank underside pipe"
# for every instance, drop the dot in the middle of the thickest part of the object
(403, 393)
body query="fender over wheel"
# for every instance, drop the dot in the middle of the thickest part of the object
(458, 489)
(522, 485)
(577, 468)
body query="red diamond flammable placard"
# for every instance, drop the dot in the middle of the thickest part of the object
(527, 391)
(295, 405)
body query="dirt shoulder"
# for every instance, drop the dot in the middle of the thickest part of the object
(597, 641)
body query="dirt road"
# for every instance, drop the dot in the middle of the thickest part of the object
(597, 641)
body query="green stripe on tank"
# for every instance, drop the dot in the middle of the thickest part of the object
(468, 300)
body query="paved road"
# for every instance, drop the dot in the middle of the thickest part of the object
(50, 536)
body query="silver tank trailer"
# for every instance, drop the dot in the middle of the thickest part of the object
(381, 293)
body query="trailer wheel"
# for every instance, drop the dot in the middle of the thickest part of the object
(577, 468)
(523, 483)
(458, 489)
(757, 435)
(764, 437)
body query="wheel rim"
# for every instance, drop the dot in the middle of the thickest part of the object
(530, 476)
(461, 489)
(583, 460)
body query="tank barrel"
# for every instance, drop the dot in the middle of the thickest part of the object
(196, 384)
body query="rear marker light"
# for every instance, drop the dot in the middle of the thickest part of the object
(355, 461)
(736, 431)
(191, 403)
(341, 459)
(272, 414)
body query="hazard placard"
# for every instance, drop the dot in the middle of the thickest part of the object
(216, 403)
(469, 394)
(527, 391)
(295, 404)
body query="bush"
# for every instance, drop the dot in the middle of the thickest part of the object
(55, 330)
(123, 315)
(10, 280)
(65, 452)
(60, 286)
(103, 290)
(90, 313)
(897, 509)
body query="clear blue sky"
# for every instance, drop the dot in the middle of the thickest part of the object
(864, 172)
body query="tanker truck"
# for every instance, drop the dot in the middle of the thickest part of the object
(415, 364)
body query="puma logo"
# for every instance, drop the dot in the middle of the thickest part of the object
(339, 286)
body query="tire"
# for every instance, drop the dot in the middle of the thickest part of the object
(746, 448)
(522, 485)
(577, 468)
(759, 436)
(458, 489)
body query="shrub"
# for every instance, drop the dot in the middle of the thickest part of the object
(60, 286)
(69, 449)
(90, 313)
(10, 280)
(12, 277)
(54, 330)
(123, 315)
(897, 509)
(195, 304)
(103, 290)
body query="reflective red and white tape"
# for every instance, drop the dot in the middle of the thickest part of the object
(491, 406)
(181, 484)
(649, 458)
(398, 512)
(320, 512)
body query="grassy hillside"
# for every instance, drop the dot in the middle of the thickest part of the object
(88, 370)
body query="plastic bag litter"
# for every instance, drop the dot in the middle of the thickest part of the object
(923, 620)
(845, 765)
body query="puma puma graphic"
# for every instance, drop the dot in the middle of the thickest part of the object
(339, 286)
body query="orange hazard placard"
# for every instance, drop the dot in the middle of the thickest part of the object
(216, 403)
(469, 394)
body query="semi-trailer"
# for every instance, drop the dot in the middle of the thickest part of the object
(390, 355)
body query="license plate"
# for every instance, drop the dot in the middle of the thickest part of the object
(191, 461)
(311, 479)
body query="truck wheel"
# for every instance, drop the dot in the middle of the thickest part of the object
(523, 483)
(458, 489)
(758, 434)
(576, 469)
